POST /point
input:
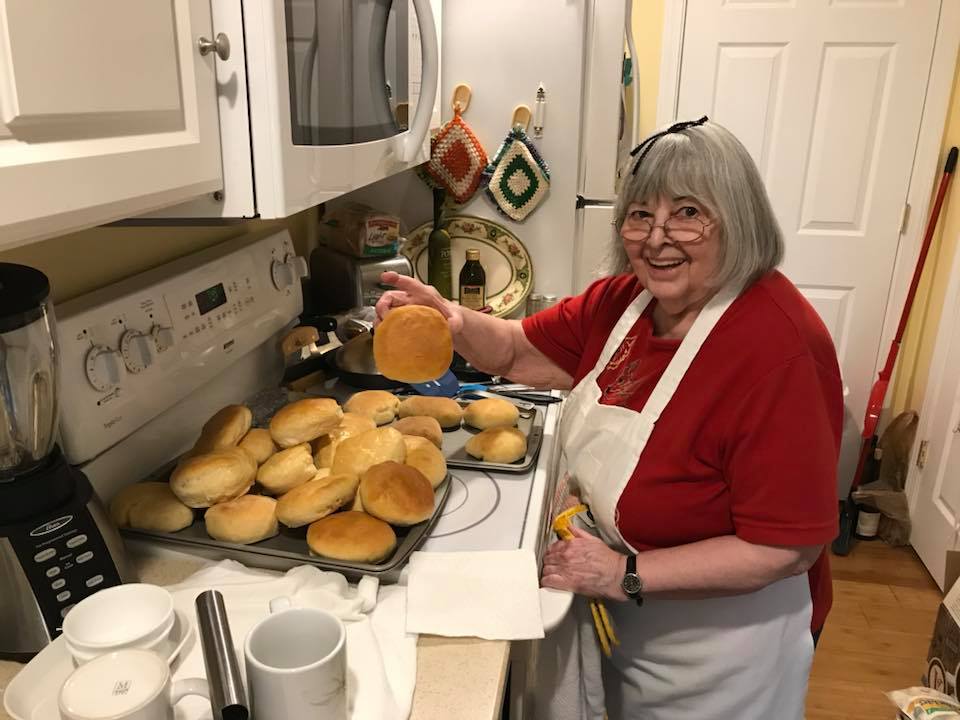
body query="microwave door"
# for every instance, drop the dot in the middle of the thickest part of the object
(332, 83)
(340, 92)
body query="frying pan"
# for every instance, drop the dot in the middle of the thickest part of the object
(353, 362)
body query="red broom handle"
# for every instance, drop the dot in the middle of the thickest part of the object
(948, 169)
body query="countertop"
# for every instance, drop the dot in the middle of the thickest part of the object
(443, 664)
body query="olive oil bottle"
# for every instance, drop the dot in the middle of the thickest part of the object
(473, 282)
(439, 270)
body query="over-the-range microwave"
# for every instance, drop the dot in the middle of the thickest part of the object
(318, 98)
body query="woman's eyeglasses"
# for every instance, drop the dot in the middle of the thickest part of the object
(677, 228)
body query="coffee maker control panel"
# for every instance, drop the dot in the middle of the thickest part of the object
(131, 350)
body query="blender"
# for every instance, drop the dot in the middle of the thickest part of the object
(57, 545)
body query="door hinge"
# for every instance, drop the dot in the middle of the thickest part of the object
(922, 455)
(904, 218)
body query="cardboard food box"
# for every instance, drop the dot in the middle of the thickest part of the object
(943, 658)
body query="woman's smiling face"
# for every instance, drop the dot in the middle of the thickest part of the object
(678, 274)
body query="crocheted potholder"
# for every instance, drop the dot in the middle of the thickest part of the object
(457, 159)
(518, 179)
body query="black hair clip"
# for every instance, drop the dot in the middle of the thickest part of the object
(644, 147)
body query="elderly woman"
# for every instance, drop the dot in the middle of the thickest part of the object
(702, 430)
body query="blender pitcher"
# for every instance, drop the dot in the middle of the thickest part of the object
(28, 370)
(57, 544)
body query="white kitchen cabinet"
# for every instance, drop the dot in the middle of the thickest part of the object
(107, 110)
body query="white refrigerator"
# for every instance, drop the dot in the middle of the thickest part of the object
(504, 50)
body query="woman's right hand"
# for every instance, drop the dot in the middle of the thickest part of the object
(410, 291)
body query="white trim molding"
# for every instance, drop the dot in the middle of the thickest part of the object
(671, 53)
(926, 428)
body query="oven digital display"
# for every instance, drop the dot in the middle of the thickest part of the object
(212, 297)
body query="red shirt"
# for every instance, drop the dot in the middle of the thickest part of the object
(748, 444)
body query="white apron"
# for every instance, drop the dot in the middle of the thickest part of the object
(744, 657)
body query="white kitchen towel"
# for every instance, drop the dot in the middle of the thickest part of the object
(381, 656)
(492, 595)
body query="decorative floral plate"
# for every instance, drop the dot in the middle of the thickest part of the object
(504, 258)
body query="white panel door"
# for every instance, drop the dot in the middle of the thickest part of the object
(106, 110)
(934, 490)
(827, 97)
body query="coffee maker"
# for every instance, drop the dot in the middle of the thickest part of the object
(57, 544)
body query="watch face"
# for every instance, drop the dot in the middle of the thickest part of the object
(632, 584)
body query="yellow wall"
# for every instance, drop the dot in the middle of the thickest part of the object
(83, 261)
(910, 381)
(648, 37)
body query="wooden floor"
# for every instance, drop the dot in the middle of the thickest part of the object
(876, 636)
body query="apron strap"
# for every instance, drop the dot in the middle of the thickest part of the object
(685, 355)
(620, 330)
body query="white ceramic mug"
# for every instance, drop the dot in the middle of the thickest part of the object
(297, 664)
(130, 684)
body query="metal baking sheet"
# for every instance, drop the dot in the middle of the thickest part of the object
(530, 424)
(454, 441)
(289, 548)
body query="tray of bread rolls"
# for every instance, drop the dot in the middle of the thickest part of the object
(490, 433)
(290, 479)
(487, 434)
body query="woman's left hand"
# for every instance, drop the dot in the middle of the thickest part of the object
(584, 565)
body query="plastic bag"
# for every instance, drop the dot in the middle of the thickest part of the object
(886, 493)
(359, 230)
(920, 703)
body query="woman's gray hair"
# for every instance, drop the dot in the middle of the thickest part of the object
(708, 163)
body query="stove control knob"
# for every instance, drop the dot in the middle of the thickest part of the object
(287, 271)
(163, 337)
(104, 368)
(139, 350)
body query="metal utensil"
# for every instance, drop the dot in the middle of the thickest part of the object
(228, 699)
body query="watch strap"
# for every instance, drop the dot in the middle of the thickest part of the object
(631, 570)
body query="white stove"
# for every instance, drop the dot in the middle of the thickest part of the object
(147, 361)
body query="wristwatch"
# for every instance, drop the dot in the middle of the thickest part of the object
(632, 584)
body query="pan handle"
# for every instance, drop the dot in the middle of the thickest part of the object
(299, 338)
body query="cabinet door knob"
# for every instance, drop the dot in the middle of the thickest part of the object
(221, 46)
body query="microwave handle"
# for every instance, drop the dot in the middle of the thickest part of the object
(410, 142)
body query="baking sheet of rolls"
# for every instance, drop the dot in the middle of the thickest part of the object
(287, 479)
(457, 432)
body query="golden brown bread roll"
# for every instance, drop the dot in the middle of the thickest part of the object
(445, 411)
(287, 469)
(248, 519)
(150, 506)
(316, 499)
(321, 473)
(351, 536)
(499, 445)
(258, 444)
(491, 413)
(224, 429)
(413, 344)
(397, 494)
(304, 420)
(378, 405)
(214, 477)
(358, 453)
(350, 424)
(421, 426)
(424, 456)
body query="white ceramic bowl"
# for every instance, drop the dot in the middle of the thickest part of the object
(134, 615)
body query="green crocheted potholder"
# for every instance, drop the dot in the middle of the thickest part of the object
(518, 179)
